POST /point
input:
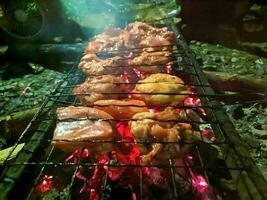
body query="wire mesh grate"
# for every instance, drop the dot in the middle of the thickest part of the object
(40, 155)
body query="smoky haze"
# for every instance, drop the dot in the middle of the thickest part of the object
(95, 15)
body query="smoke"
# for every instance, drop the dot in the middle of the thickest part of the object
(96, 15)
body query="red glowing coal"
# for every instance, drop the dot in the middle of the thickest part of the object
(46, 184)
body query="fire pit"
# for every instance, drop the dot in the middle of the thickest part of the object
(216, 166)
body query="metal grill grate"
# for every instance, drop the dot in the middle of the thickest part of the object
(38, 157)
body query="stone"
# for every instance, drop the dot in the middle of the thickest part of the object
(234, 54)
(260, 70)
(205, 51)
(223, 59)
(234, 59)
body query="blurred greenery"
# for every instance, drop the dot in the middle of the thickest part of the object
(149, 12)
(31, 7)
(60, 195)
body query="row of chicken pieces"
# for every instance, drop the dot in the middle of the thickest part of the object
(137, 44)
(108, 99)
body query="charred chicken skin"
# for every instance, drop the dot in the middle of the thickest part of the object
(161, 89)
(161, 127)
(100, 88)
(81, 125)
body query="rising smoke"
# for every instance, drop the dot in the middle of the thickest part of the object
(96, 15)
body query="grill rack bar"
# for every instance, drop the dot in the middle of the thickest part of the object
(57, 164)
(12, 175)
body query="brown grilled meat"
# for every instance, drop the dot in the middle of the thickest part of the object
(121, 109)
(135, 35)
(152, 61)
(144, 35)
(161, 127)
(94, 89)
(148, 45)
(81, 123)
(108, 41)
(92, 65)
(161, 89)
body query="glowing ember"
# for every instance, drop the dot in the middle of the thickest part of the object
(93, 195)
(134, 196)
(205, 132)
(178, 110)
(200, 183)
(169, 68)
(140, 74)
(124, 130)
(126, 77)
(131, 155)
(189, 157)
(154, 110)
(192, 101)
(46, 184)
(209, 134)
(76, 155)
(154, 173)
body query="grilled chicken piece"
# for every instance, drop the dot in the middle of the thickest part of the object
(93, 89)
(81, 123)
(145, 35)
(121, 109)
(152, 58)
(149, 45)
(156, 41)
(161, 89)
(108, 41)
(152, 61)
(161, 127)
(92, 65)
(135, 35)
